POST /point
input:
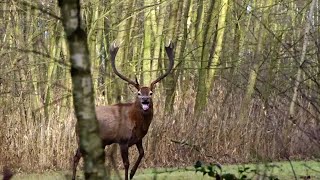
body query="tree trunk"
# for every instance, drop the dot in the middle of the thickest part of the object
(87, 125)
(219, 42)
(302, 58)
(146, 64)
(202, 87)
(169, 81)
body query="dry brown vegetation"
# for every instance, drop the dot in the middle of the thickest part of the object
(173, 140)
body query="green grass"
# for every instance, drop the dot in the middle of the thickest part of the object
(282, 170)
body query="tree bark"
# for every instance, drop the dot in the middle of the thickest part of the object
(169, 81)
(87, 125)
(202, 87)
(219, 42)
(302, 59)
(147, 38)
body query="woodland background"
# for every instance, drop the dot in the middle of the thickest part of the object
(245, 86)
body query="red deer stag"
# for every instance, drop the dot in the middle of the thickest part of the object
(127, 123)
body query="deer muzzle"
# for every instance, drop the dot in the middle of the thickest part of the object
(145, 103)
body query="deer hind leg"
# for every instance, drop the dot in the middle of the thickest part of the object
(124, 154)
(141, 154)
(76, 160)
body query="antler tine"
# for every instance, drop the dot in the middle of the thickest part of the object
(113, 52)
(169, 51)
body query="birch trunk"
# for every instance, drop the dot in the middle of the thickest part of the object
(87, 124)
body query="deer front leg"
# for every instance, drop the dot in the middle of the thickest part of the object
(141, 154)
(124, 154)
(76, 159)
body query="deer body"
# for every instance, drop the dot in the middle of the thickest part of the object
(127, 123)
(124, 122)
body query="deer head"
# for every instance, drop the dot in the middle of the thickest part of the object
(144, 93)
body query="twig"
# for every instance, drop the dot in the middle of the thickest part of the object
(312, 169)
(294, 172)
(194, 147)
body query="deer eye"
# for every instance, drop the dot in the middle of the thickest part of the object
(150, 93)
(139, 93)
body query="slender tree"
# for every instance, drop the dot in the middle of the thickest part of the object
(87, 125)
(221, 26)
(170, 83)
(302, 58)
(203, 80)
(147, 40)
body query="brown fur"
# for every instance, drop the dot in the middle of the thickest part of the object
(127, 123)
(7, 173)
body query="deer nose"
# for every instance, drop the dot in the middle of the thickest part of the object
(145, 99)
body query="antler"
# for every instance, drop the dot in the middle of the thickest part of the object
(169, 50)
(113, 52)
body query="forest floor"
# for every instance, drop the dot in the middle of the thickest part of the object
(281, 170)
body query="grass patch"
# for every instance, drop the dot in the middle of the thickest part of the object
(281, 170)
